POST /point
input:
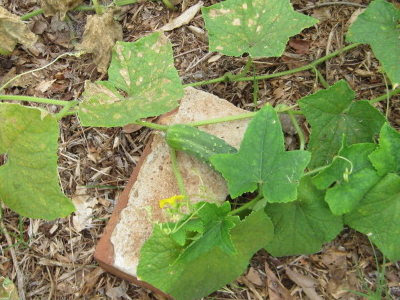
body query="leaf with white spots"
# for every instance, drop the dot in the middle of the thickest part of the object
(258, 27)
(263, 162)
(142, 82)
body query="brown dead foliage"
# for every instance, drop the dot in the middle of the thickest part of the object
(58, 8)
(56, 259)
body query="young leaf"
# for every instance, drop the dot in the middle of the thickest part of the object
(258, 27)
(378, 26)
(378, 216)
(101, 33)
(262, 160)
(142, 82)
(349, 188)
(217, 225)
(386, 158)
(332, 113)
(208, 272)
(302, 226)
(29, 181)
(12, 32)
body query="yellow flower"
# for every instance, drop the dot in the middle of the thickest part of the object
(171, 200)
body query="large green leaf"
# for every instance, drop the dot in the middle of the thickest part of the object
(386, 158)
(332, 113)
(302, 226)
(29, 181)
(262, 161)
(378, 26)
(378, 216)
(142, 82)
(258, 27)
(158, 264)
(353, 175)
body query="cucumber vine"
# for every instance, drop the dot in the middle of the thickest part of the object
(348, 173)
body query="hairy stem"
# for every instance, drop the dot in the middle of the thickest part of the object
(152, 125)
(321, 78)
(279, 74)
(34, 99)
(247, 205)
(299, 131)
(385, 96)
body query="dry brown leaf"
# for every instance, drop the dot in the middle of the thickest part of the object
(101, 33)
(13, 31)
(307, 283)
(276, 290)
(84, 209)
(184, 18)
(57, 7)
(254, 277)
(301, 46)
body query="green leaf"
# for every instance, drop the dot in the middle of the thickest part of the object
(208, 272)
(142, 82)
(216, 228)
(378, 216)
(302, 226)
(29, 181)
(332, 113)
(348, 190)
(378, 26)
(258, 27)
(262, 160)
(386, 159)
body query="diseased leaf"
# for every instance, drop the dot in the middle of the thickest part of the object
(57, 7)
(13, 31)
(378, 26)
(208, 272)
(29, 181)
(332, 113)
(302, 226)
(258, 27)
(349, 189)
(386, 158)
(142, 82)
(378, 216)
(101, 33)
(262, 160)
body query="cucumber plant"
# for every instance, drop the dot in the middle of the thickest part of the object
(349, 173)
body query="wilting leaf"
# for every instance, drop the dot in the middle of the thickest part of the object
(57, 7)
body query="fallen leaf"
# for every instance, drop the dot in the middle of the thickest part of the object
(84, 208)
(300, 46)
(91, 280)
(13, 31)
(57, 7)
(254, 277)
(101, 33)
(307, 283)
(276, 290)
(184, 18)
(44, 85)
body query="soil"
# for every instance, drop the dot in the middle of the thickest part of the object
(54, 260)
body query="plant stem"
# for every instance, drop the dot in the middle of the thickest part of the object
(97, 7)
(299, 131)
(247, 205)
(124, 2)
(279, 74)
(385, 96)
(321, 78)
(223, 119)
(152, 125)
(177, 172)
(34, 99)
(316, 170)
(168, 4)
(65, 110)
(31, 14)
